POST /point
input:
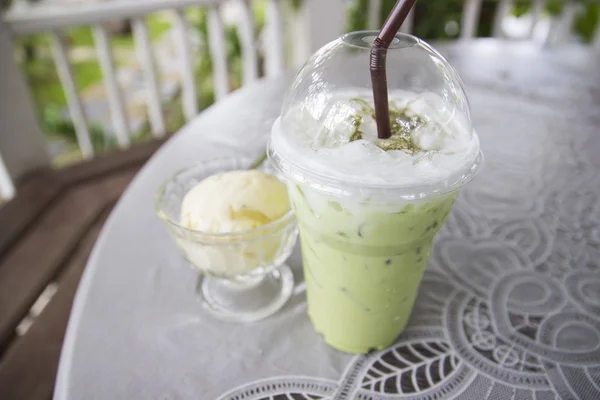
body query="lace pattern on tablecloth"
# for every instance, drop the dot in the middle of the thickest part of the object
(510, 305)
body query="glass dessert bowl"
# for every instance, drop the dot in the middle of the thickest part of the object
(243, 275)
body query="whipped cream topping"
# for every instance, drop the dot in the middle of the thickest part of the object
(336, 137)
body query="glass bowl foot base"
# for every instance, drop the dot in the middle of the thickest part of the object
(248, 300)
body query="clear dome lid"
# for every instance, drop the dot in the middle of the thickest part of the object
(327, 135)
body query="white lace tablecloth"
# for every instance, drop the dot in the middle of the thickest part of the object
(509, 307)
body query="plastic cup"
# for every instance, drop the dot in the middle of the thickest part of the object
(368, 213)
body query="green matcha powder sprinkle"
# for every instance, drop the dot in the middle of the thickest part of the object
(402, 126)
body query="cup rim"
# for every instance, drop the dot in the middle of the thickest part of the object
(362, 39)
(284, 220)
(345, 188)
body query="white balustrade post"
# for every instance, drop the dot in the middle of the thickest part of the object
(375, 14)
(596, 40)
(144, 49)
(188, 83)
(246, 32)
(537, 9)
(274, 34)
(216, 41)
(7, 189)
(297, 32)
(407, 25)
(561, 27)
(325, 21)
(570, 11)
(470, 19)
(21, 141)
(502, 11)
(115, 97)
(59, 52)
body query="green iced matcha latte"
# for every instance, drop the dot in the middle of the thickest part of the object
(368, 209)
(363, 265)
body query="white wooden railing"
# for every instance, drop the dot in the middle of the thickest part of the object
(321, 21)
(560, 30)
(53, 19)
(7, 189)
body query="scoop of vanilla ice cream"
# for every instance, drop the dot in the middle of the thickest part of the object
(337, 137)
(234, 201)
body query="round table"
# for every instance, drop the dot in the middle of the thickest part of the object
(509, 306)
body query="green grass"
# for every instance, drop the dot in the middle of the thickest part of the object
(86, 73)
(45, 85)
(157, 25)
(80, 36)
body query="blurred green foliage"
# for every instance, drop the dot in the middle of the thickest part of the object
(204, 83)
(587, 21)
(432, 16)
(554, 7)
(297, 4)
(358, 15)
(55, 123)
(521, 7)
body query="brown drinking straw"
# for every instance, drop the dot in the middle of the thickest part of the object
(378, 57)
